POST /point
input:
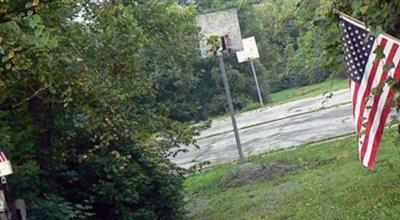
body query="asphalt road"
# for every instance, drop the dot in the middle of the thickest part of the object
(270, 128)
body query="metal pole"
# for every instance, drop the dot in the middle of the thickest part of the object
(230, 105)
(11, 210)
(255, 78)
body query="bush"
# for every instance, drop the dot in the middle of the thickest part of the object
(89, 110)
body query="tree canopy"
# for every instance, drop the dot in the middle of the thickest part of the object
(92, 104)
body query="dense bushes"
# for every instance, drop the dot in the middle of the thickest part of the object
(89, 106)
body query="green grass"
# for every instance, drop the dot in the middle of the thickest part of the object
(307, 91)
(330, 184)
(251, 106)
(299, 93)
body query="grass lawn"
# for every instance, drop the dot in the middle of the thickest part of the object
(321, 181)
(300, 93)
(308, 91)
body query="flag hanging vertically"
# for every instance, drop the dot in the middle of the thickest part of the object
(367, 70)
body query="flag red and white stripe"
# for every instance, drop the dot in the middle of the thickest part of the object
(3, 157)
(370, 110)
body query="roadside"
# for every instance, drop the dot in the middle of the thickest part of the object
(308, 91)
(284, 133)
(270, 128)
(317, 96)
(282, 111)
(297, 93)
(317, 181)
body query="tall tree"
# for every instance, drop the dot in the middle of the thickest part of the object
(91, 105)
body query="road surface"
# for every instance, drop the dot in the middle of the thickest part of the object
(282, 126)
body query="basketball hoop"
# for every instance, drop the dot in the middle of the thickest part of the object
(220, 33)
(224, 30)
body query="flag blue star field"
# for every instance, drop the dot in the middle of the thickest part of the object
(366, 71)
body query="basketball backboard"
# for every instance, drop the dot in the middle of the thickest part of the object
(224, 27)
(250, 50)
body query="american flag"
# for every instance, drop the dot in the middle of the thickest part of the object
(366, 72)
(3, 157)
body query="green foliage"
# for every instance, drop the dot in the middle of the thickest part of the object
(377, 90)
(214, 43)
(330, 184)
(91, 106)
(379, 53)
(60, 209)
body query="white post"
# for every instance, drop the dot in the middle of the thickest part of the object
(255, 79)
